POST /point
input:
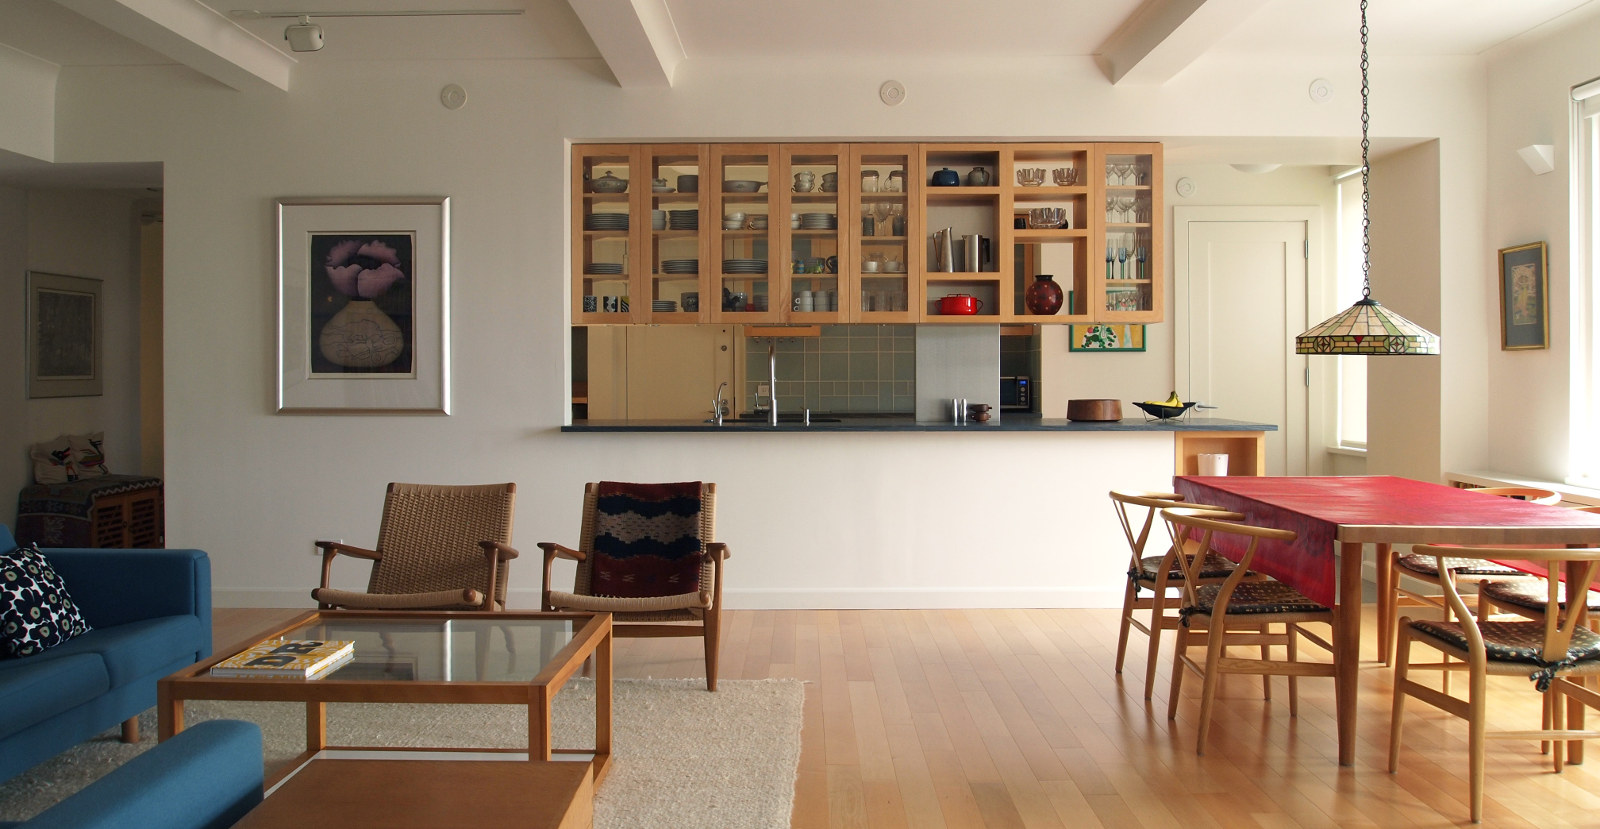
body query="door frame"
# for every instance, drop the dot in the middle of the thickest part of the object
(1298, 372)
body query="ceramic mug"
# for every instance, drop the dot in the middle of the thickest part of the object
(805, 182)
(591, 304)
(609, 304)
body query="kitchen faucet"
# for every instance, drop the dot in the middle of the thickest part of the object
(772, 378)
(717, 404)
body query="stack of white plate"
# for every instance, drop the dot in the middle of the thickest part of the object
(680, 266)
(605, 221)
(744, 266)
(819, 221)
(683, 219)
(602, 267)
(663, 305)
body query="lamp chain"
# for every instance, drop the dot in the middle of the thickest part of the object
(1366, 223)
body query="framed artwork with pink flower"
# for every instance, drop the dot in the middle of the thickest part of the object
(363, 305)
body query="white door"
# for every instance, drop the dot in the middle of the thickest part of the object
(1241, 299)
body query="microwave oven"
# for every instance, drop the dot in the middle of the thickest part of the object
(1016, 394)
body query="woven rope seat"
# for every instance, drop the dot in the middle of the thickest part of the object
(1459, 566)
(1213, 567)
(1530, 594)
(1513, 641)
(1256, 597)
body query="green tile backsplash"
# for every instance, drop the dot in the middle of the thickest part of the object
(850, 368)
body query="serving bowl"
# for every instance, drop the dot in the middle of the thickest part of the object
(1046, 217)
(1161, 411)
(1030, 176)
(741, 186)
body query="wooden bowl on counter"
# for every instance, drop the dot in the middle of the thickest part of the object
(1094, 409)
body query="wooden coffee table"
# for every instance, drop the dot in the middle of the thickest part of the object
(425, 794)
(469, 657)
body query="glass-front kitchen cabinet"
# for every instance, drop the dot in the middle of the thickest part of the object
(867, 232)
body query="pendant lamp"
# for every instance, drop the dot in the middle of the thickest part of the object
(1366, 327)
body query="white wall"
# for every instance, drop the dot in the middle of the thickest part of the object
(869, 520)
(88, 233)
(1529, 104)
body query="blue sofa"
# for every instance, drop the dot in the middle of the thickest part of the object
(151, 614)
(207, 777)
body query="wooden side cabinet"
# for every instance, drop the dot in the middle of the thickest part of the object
(1246, 451)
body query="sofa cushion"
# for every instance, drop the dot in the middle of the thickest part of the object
(36, 611)
(52, 461)
(88, 454)
(134, 649)
(33, 690)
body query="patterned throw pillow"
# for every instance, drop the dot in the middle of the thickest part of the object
(35, 610)
(52, 462)
(88, 454)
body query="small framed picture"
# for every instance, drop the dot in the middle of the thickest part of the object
(1524, 298)
(63, 336)
(1125, 337)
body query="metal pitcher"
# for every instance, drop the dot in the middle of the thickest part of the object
(944, 258)
(976, 250)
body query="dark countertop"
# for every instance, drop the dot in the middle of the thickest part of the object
(880, 423)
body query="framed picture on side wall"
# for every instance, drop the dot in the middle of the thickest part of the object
(63, 336)
(364, 305)
(1524, 298)
(1106, 337)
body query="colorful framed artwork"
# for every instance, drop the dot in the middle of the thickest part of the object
(1524, 297)
(63, 336)
(364, 305)
(1106, 337)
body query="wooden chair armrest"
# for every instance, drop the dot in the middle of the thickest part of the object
(499, 550)
(717, 551)
(333, 547)
(554, 550)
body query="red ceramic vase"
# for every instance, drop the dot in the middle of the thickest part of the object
(1044, 296)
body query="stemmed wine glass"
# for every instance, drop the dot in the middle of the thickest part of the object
(1123, 170)
(1125, 207)
(1111, 208)
(1122, 262)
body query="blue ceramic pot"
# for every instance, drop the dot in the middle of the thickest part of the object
(947, 178)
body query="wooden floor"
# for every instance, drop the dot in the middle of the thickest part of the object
(1010, 718)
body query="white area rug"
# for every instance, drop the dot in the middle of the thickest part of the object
(681, 757)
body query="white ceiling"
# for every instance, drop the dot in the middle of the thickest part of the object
(645, 40)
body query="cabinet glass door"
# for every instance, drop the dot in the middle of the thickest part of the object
(1130, 179)
(812, 232)
(678, 244)
(881, 265)
(604, 193)
(742, 234)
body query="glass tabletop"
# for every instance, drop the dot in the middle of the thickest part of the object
(444, 650)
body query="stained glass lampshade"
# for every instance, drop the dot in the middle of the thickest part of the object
(1367, 328)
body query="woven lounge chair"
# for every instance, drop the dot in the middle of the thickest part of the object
(645, 556)
(439, 548)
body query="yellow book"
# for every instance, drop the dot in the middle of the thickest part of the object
(286, 659)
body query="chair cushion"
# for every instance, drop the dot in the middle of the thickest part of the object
(34, 690)
(36, 611)
(1518, 641)
(1254, 597)
(1418, 563)
(1213, 567)
(646, 540)
(1531, 594)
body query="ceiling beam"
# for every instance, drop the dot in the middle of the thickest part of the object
(195, 36)
(1163, 37)
(637, 39)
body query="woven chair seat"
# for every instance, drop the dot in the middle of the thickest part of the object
(1213, 567)
(608, 604)
(1531, 594)
(1428, 565)
(1255, 597)
(434, 600)
(1519, 641)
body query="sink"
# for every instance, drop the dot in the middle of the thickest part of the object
(782, 418)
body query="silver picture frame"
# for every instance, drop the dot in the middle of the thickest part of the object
(363, 305)
(64, 336)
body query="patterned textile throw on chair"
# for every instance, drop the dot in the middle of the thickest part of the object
(647, 539)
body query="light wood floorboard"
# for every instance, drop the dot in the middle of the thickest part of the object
(1014, 718)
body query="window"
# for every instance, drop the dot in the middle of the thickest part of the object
(1585, 211)
(1351, 377)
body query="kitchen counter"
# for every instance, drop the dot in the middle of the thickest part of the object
(880, 423)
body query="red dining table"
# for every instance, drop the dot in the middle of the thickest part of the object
(1344, 513)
